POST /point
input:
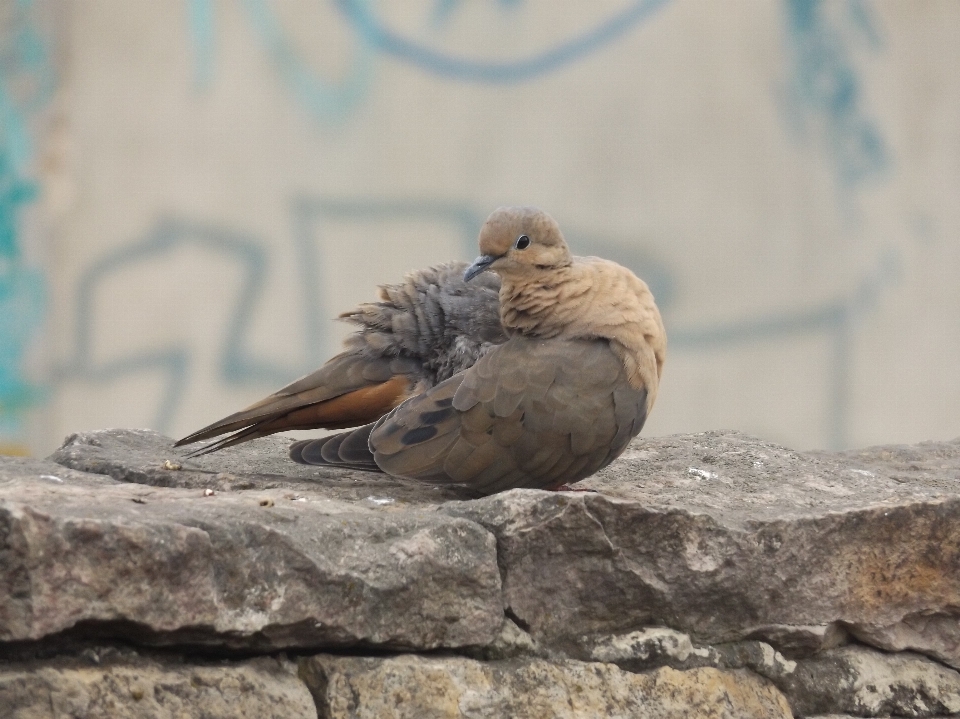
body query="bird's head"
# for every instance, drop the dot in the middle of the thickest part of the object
(519, 240)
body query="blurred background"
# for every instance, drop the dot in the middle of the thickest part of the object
(191, 189)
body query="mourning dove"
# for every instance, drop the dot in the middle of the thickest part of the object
(554, 403)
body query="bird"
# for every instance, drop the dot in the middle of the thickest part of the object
(541, 376)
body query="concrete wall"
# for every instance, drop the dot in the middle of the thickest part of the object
(204, 184)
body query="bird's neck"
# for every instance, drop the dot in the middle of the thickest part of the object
(532, 305)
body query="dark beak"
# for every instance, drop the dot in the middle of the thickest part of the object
(479, 265)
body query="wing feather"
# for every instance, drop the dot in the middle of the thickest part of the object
(530, 413)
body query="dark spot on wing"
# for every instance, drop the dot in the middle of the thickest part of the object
(436, 416)
(445, 402)
(420, 434)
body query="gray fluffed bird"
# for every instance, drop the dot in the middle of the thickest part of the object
(537, 380)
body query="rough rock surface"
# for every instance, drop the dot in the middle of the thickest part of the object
(123, 687)
(865, 683)
(413, 687)
(853, 678)
(714, 562)
(658, 646)
(238, 569)
(146, 457)
(728, 538)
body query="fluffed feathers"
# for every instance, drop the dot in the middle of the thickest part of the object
(421, 332)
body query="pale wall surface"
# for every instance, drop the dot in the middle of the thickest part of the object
(215, 180)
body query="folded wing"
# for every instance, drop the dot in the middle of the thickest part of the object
(530, 413)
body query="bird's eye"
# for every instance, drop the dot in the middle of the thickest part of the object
(522, 243)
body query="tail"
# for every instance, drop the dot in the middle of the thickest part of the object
(347, 450)
(349, 390)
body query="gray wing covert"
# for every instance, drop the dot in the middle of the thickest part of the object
(530, 413)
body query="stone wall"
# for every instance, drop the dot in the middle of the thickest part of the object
(707, 575)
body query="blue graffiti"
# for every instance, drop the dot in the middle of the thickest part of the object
(825, 87)
(22, 304)
(826, 94)
(326, 100)
(236, 364)
(15, 191)
(202, 25)
(334, 101)
(26, 83)
(394, 44)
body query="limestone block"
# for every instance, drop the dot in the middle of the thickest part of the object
(728, 538)
(240, 569)
(863, 681)
(146, 689)
(416, 687)
(869, 683)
